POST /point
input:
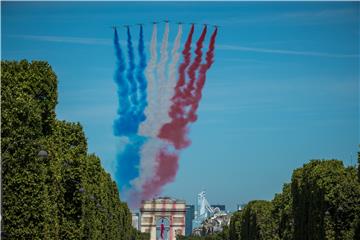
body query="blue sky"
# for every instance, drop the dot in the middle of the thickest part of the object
(283, 88)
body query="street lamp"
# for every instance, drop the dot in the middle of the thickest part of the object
(43, 154)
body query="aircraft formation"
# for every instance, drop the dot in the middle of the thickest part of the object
(164, 21)
(159, 93)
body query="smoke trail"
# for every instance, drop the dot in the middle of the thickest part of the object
(127, 122)
(175, 131)
(166, 171)
(175, 110)
(150, 149)
(128, 161)
(202, 77)
(130, 73)
(148, 162)
(122, 90)
(195, 65)
(162, 82)
(145, 127)
(169, 91)
(141, 81)
(168, 157)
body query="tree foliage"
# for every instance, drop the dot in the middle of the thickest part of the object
(322, 202)
(282, 214)
(256, 221)
(67, 195)
(325, 200)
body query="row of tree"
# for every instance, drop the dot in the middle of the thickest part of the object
(51, 187)
(321, 202)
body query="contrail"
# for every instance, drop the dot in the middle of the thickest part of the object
(194, 66)
(153, 185)
(148, 163)
(141, 80)
(145, 127)
(130, 73)
(120, 123)
(127, 161)
(172, 75)
(202, 77)
(162, 82)
(168, 163)
(176, 99)
(149, 149)
(168, 157)
(175, 131)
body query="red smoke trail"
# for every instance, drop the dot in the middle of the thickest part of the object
(175, 109)
(194, 67)
(175, 131)
(165, 173)
(202, 77)
(167, 158)
(153, 186)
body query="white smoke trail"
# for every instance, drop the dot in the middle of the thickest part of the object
(165, 91)
(169, 91)
(148, 163)
(162, 82)
(147, 125)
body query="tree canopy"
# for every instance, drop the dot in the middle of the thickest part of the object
(66, 194)
(322, 202)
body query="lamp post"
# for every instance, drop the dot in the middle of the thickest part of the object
(43, 154)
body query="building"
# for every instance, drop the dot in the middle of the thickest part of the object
(135, 220)
(163, 218)
(213, 224)
(240, 206)
(221, 207)
(203, 210)
(190, 214)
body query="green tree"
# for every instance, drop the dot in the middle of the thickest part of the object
(28, 101)
(282, 214)
(67, 195)
(325, 200)
(257, 223)
(235, 225)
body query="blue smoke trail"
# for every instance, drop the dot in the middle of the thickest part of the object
(128, 163)
(141, 78)
(130, 73)
(126, 123)
(122, 89)
(132, 102)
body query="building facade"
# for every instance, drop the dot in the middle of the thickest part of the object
(135, 220)
(163, 218)
(190, 214)
(221, 207)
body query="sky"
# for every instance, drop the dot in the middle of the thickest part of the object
(283, 89)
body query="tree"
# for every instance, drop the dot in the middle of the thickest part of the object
(325, 200)
(257, 223)
(28, 101)
(66, 195)
(282, 214)
(234, 226)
